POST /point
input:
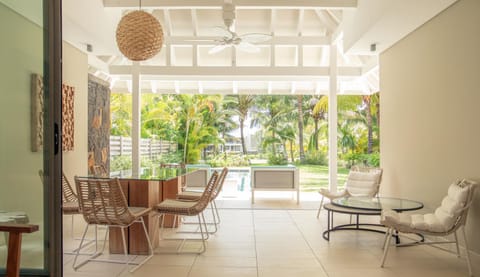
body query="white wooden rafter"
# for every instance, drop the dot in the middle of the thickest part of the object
(237, 72)
(239, 4)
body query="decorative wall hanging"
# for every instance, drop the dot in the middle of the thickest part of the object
(98, 124)
(139, 35)
(36, 112)
(68, 96)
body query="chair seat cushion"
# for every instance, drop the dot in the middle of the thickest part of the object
(171, 206)
(413, 222)
(189, 195)
(139, 211)
(333, 195)
(70, 207)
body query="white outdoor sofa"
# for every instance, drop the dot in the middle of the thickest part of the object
(274, 178)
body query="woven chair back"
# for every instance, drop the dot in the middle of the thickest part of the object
(102, 201)
(221, 180)
(68, 195)
(206, 195)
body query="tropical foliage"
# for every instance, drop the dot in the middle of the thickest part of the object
(200, 124)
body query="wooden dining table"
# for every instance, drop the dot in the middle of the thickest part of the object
(147, 191)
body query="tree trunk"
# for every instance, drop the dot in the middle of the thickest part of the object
(366, 100)
(186, 142)
(242, 138)
(315, 137)
(291, 151)
(300, 128)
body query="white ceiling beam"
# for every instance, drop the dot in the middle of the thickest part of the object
(278, 40)
(193, 12)
(327, 20)
(97, 63)
(333, 16)
(301, 14)
(177, 87)
(235, 87)
(236, 73)
(239, 4)
(252, 91)
(269, 88)
(200, 87)
(293, 87)
(167, 23)
(370, 65)
(273, 16)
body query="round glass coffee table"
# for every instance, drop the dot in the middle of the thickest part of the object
(356, 206)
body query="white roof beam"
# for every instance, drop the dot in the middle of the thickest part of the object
(370, 65)
(97, 63)
(236, 73)
(278, 40)
(193, 12)
(239, 4)
(301, 14)
(167, 23)
(327, 20)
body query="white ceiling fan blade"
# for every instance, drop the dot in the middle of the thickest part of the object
(256, 37)
(247, 47)
(222, 31)
(218, 48)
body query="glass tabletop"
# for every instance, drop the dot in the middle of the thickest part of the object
(377, 203)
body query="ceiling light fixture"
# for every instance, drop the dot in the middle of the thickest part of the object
(139, 35)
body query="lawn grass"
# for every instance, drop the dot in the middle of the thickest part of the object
(314, 177)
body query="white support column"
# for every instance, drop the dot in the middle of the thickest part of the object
(332, 120)
(136, 96)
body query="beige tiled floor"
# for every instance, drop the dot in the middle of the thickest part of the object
(275, 241)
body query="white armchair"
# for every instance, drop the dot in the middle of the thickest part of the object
(447, 219)
(361, 181)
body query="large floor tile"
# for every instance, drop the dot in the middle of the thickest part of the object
(223, 272)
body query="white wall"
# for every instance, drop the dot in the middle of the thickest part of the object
(430, 115)
(384, 22)
(75, 73)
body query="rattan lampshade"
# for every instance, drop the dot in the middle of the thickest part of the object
(139, 36)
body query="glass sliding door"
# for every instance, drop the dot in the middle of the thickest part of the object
(29, 104)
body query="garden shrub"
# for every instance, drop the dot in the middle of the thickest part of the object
(315, 158)
(221, 160)
(277, 160)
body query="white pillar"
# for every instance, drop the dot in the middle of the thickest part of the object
(136, 96)
(332, 120)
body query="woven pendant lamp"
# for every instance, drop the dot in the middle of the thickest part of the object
(139, 36)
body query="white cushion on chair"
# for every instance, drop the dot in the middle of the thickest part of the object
(442, 220)
(362, 183)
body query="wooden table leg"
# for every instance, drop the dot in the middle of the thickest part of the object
(14, 250)
(14, 245)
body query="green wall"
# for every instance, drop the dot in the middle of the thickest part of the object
(21, 54)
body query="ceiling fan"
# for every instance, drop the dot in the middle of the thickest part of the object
(244, 42)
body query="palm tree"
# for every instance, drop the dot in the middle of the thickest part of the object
(300, 128)
(241, 105)
(318, 110)
(270, 111)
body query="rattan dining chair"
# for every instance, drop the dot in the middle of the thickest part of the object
(447, 219)
(70, 204)
(361, 181)
(102, 202)
(195, 196)
(189, 208)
